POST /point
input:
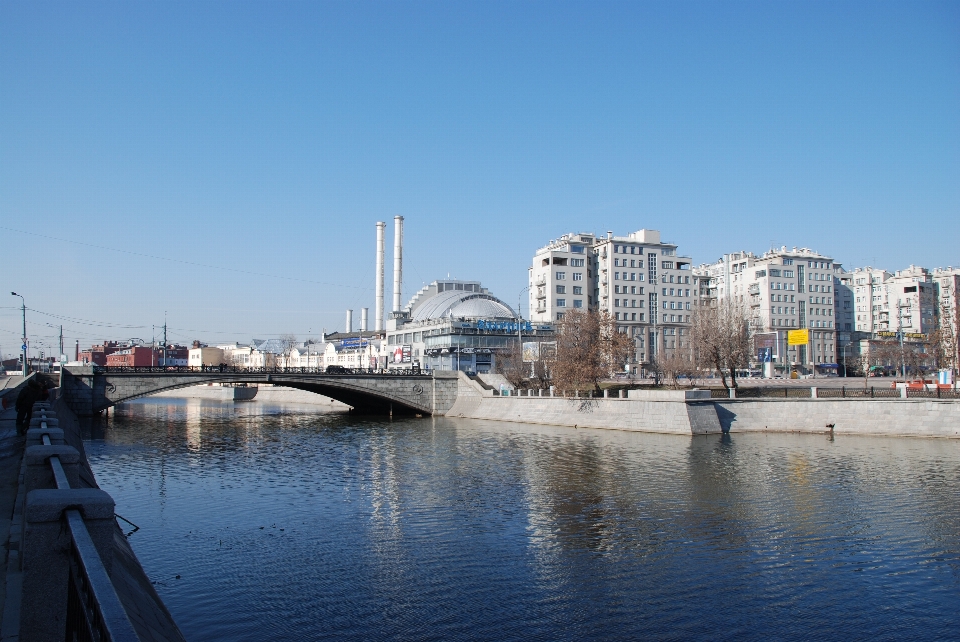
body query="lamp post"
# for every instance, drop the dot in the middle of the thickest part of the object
(520, 326)
(23, 308)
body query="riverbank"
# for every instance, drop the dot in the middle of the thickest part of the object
(693, 412)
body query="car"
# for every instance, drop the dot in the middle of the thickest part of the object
(336, 370)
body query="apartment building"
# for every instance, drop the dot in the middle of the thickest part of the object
(782, 289)
(640, 281)
(562, 277)
(870, 297)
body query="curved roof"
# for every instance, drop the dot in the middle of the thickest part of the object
(459, 303)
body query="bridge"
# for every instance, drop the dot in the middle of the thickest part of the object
(88, 390)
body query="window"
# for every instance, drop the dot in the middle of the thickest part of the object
(561, 289)
(561, 303)
(788, 261)
(577, 303)
(616, 316)
(616, 289)
(616, 303)
(788, 274)
(616, 276)
(774, 272)
(561, 276)
(760, 274)
(576, 249)
(667, 265)
(576, 262)
(577, 289)
(578, 276)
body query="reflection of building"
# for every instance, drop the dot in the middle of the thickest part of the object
(454, 325)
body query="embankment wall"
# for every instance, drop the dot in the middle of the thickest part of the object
(672, 412)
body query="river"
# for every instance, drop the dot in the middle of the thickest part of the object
(267, 522)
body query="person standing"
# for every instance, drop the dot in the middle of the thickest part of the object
(30, 394)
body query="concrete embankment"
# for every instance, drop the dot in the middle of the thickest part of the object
(145, 610)
(693, 412)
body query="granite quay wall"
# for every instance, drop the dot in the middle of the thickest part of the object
(904, 417)
(39, 548)
(693, 412)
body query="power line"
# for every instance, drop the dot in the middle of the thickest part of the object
(183, 262)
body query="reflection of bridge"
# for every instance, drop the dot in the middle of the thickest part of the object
(91, 389)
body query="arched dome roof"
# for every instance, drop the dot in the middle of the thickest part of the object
(459, 303)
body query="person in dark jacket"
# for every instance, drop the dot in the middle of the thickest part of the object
(30, 394)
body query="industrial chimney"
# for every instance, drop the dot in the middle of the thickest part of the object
(349, 321)
(397, 260)
(363, 319)
(378, 304)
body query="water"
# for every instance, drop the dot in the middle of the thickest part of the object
(285, 524)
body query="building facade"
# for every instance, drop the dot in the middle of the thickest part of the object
(643, 283)
(781, 290)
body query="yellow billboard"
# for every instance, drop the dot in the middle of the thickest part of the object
(798, 337)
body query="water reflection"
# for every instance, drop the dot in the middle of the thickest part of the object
(284, 524)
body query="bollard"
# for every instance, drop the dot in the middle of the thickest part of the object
(732, 393)
(45, 551)
(37, 471)
(903, 392)
(813, 392)
(606, 393)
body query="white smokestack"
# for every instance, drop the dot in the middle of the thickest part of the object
(397, 260)
(379, 296)
(363, 319)
(349, 321)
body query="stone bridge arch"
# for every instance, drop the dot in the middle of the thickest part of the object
(89, 392)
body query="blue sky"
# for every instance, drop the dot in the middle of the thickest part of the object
(225, 162)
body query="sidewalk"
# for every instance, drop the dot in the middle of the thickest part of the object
(11, 452)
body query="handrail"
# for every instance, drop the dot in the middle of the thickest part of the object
(103, 617)
(329, 371)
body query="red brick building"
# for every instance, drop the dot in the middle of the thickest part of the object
(132, 356)
(98, 354)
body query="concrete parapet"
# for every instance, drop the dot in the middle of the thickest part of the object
(36, 420)
(45, 552)
(37, 473)
(668, 395)
(34, 436)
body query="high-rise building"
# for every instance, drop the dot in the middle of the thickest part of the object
(645, 286)
(781, 289)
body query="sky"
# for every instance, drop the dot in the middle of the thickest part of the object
(222, 165)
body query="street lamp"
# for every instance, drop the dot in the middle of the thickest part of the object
(519, 326)
(23, 307)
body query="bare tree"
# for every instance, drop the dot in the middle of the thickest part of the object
(677, 365)
(510, 365)
(590, 348)
(721, 338)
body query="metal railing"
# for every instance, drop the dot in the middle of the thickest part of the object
(329, 371)
(94, 610)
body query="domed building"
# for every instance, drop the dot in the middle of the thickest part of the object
(454, 325)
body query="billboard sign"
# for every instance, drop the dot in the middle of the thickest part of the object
(798, 337)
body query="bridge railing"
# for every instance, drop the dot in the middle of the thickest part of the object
(225, 369)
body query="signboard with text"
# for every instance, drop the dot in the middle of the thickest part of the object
(798, 337)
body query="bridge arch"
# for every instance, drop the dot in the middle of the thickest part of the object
(94, 391)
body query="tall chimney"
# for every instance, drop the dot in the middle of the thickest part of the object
(349, 321)
(397, 260)
(378, 303)
(363, 319)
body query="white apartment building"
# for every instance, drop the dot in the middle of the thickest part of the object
(912, 302)
(562, 277)
(783, 289)
(870, 297)
(640, 281)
